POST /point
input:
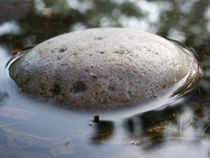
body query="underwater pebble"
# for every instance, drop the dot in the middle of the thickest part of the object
(104, 67)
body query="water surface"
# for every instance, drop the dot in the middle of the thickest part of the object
(33, 128)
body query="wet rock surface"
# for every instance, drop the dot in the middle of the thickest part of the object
(104, 67)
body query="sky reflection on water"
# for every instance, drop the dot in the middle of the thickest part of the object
(30, 128)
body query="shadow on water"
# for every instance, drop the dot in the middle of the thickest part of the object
(29, 129)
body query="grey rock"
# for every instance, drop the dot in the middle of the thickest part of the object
(105, 67)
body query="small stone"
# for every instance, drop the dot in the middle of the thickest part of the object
(105, 67)
(96, 119)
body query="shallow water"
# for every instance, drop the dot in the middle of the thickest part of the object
(33, 128)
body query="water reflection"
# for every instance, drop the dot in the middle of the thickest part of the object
(157, 131)
(11, 10)
(56, 17)
(186, 21)
(149, 129)
(103, 131)
(2, 96)
(30, 129)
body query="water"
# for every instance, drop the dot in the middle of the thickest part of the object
(33, 128)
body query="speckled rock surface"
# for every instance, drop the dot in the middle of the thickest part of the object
(104, 67)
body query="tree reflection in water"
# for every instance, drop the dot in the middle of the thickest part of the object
(186, 20)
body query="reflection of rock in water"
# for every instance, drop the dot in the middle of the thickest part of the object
(12, 9)
(103, 130)
(156, 128)
(149, 129)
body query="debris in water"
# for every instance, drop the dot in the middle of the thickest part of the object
(96, 119)
(15, 51)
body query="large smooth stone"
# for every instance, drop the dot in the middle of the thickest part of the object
(105, 67)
